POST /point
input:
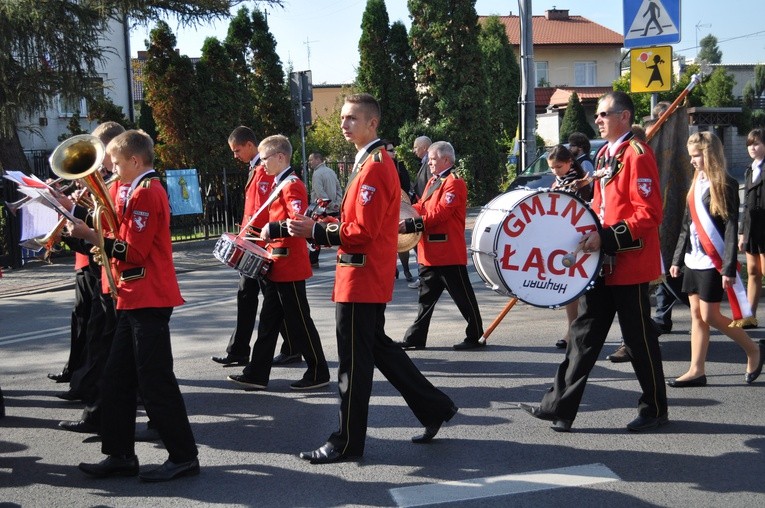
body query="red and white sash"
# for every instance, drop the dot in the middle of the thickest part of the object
(714, 247)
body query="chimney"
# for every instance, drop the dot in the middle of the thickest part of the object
(556, 14)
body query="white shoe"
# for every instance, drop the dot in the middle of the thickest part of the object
(414, 285)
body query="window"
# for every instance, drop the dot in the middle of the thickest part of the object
(585, 73)
(541, 77)
(67, 108)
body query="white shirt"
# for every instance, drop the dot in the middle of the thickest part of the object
(697, 259)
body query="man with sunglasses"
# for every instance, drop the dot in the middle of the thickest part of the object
(628, 203)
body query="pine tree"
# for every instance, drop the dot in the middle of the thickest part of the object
(170, 90)
(403, 93)
(501, 70)
(574, 120)
(374, 75)
(450, 80)
(718, 89)
(709, 50)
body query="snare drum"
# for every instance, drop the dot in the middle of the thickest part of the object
(519, 242)
(247, 258)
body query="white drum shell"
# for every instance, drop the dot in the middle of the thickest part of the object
(519, 240)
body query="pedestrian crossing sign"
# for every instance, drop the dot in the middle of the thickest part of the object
(651, 69)
(650, 22)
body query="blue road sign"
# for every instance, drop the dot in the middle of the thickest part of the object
(651, 22)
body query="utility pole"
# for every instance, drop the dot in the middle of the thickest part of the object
(528, 143)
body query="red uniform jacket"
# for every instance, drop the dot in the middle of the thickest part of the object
(368, 233)
(256, 191)
(443, 217)
(632, 214)
(143, 255)
(289, 253)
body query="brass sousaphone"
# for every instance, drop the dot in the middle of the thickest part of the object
(407, 241)
(80, 158)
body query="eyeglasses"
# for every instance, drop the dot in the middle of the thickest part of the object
(604, 114)
(264, 159)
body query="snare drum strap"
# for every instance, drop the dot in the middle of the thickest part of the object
(271, 199)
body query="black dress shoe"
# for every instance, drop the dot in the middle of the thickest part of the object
(561, 426)
(61, 377)
(409, 277)
(536, 412)
(80, 426)
(688, 383)
(561, 344)
(327, 454)
(170, 471)
(647, 422)
(620, 355)
(68, 395)
(113, 465)
(750, 377)
(282, 359)
(432, 430)
(230, 360)
(408, 345)
(469, 344)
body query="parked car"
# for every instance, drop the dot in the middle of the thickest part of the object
(538, 175)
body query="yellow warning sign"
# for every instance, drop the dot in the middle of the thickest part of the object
(651, 69)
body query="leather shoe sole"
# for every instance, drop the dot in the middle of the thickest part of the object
(642, 423)
(68, 396)
(61, 377)
(408, 345)
(80, 426)
(469, 344)
(111, 466)
(688, 383)
(170, 471)
(327, 454)
(307, 384)
(248, 385)
(229, 360)
(432, 430)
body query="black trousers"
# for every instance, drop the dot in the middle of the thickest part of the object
(99, 347)
(433, 281)
(246, 315)
(362, 345)
(84, 281)
(597, 309)
(141, 358)
(285, 305)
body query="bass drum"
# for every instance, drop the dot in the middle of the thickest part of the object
(524, 244)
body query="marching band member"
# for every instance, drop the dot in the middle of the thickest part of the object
(628, 202)
(147, 290)
(244, 146)
(284, 294)
(441, 251)
(367, 240)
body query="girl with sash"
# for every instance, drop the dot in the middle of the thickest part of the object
(707, 247)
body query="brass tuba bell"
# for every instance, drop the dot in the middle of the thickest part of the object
(80, 158)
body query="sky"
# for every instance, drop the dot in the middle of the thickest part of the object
(323, 35)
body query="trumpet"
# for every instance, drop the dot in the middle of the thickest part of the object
(80, 158)
(14, 206)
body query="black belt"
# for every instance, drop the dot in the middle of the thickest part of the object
(440, 237)
(351, 259)
(280, 251)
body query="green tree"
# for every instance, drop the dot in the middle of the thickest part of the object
(450, 78)
(170, 89)
(501, 70)
(709, 50)
(57, 46)
(718, 89)
(252, 49)
(146, 120)
(402, 102)
(374, 75)
(574, 120)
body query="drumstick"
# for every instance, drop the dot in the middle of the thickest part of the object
(497, 320)
(570, 258)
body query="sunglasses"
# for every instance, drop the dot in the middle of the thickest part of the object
(604, 114)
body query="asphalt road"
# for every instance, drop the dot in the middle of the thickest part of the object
(490, 454)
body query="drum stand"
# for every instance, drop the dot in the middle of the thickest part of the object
(497, 320)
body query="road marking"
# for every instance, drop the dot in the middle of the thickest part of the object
(478, 488)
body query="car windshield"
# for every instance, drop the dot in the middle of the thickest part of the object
(540, 163)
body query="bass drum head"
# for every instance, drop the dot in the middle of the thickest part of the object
(531, 243)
